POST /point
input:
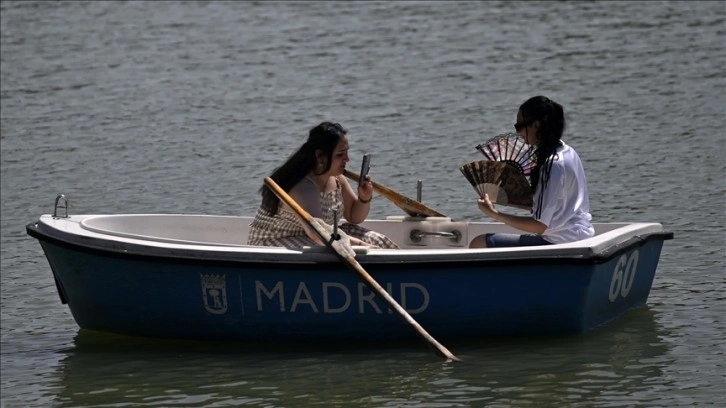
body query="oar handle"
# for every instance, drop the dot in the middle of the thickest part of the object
(362, 273)
(410, 206)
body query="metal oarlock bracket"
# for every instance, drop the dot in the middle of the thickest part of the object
(64, 206)
(417, 235)
(335, 235)
(419, 186)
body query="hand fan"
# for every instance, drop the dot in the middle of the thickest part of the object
(504, 183)
(511, 149)
(504, 176)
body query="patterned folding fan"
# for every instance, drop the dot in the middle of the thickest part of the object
(510, 148)
(504, 176)
(504, 183)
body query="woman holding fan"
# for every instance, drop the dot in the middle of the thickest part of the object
(561, 207)
(313, 177)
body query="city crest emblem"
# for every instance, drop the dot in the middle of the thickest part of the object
(214, 291)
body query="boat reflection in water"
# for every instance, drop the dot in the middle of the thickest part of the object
(626, 358)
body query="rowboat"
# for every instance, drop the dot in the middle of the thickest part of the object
(191, 276)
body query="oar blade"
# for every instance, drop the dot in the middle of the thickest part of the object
(410, 206)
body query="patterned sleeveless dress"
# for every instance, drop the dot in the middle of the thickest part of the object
(283, 229)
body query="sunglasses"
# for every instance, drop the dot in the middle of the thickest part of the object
(521, 125)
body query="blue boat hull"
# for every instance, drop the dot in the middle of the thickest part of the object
(262, 301)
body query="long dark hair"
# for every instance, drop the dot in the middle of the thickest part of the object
(551, 119)
(324, 137)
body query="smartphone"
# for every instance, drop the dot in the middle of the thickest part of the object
(365, 166)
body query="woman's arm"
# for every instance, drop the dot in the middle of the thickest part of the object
(356, 206)
(527, 224)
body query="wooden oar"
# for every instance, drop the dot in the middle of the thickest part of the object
(347, 255)
(410, 206)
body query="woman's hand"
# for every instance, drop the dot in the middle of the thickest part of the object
(356, 210)
(519, 222)
(486, 206)
(358, 242)
(365, 189)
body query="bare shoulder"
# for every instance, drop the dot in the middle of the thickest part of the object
(342, 180)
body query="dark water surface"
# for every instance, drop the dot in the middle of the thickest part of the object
(185, 107)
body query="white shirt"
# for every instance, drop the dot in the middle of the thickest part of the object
(565, 203)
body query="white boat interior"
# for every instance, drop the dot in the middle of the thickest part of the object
(432, 236)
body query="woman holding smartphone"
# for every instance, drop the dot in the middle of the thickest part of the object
(313, 177)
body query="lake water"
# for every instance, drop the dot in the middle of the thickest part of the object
(184, 107)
